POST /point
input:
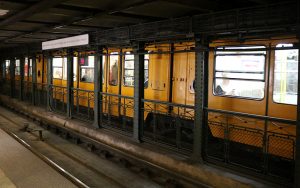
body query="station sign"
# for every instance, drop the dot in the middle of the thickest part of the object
(79, 40)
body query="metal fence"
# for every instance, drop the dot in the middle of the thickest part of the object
(58, 98)
(17, 89)
(40, 93)
(117, 112)
(263, 144)
(27, 95)
(6, 87)
(83, 104)
(169, 123)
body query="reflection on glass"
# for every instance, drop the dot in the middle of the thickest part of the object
(113, 68)
(87, 71)
(286, 75)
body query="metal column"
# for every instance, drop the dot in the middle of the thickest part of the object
(70, 82)
(22, 62)
(201, 65)
(34, 80)
(98, 72)
(138, 90)
(49, 82)
(12, 67)
(297, 159)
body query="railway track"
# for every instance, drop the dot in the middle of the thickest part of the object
(86, 162)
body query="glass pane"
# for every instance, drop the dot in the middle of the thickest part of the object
(7, 67)
(30, 67)
(113, 69)
(240, 63)
(286, 76)
(129, 64)
(128, 81)
(57, 62)
(87, 75)
(65, 70)
(57, 72)
(91, 60)
(241, 50)
(75, 63)
(255, 76)
(26, 67)
(17, 68)
(239, 88)
(129, 73)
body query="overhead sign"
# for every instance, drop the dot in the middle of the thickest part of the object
(66, 42)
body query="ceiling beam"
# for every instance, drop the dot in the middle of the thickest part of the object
(37, 7)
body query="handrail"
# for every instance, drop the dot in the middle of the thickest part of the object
(168, 103)
(262, 117)
(79, 89)
(116, 95)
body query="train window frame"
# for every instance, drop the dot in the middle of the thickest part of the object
(86, 67)
(284, 46)
(145, 69)
(17, 67)
(109, 68)
(58, 67)
(250, 50)
(7, 67)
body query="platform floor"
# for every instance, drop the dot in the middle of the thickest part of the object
(19, 167)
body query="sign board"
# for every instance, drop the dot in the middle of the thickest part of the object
(66, 42)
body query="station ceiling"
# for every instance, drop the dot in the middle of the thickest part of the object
(27, 21)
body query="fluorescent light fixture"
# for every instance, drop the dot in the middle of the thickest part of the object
(3, 12)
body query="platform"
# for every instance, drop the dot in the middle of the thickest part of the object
(19, 167)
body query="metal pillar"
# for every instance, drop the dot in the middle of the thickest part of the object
(70, 82)
(34, 80)
(297, 159)
(138, 91)
(49, 81)
(201, 64)
(22, 62)
(12, 76)
(98, 72)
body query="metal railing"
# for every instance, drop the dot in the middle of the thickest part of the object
(58, 98)
(169, 123)
(40, 93)
(17, 89)
(83, 104)
(263, 144)
(27, 91)
(6, 87)
(117, 112)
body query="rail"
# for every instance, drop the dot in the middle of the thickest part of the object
(261, 143)
(169, 123)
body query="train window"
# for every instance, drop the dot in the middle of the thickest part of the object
(286, 75)
(30, 67)
(129, 70)
(17, 68)
(113, 68)
(57, 65)
(87, 69)
(65, 63)
(239, 72)
(7, 67)
(26, 66)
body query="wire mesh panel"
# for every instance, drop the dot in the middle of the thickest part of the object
(58, 98)
(117, 112)
(169, 123)
(83, 104)
(262, 144)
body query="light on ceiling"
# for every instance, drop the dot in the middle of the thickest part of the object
(3, 12)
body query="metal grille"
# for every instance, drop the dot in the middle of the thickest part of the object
(83, 104)
(58, 98)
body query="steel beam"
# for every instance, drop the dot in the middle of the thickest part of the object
(297, 157)
(49, 81)
(138, 91)
(70, 82)
(98, 72)
(201, 61)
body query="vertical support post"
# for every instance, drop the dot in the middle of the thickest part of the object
(49, 81)
(12, 76)
(98, 87)
(34, 80)
(139, 59)
(22, 63)
(69, 83)
(297, 157)
(200, 99)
